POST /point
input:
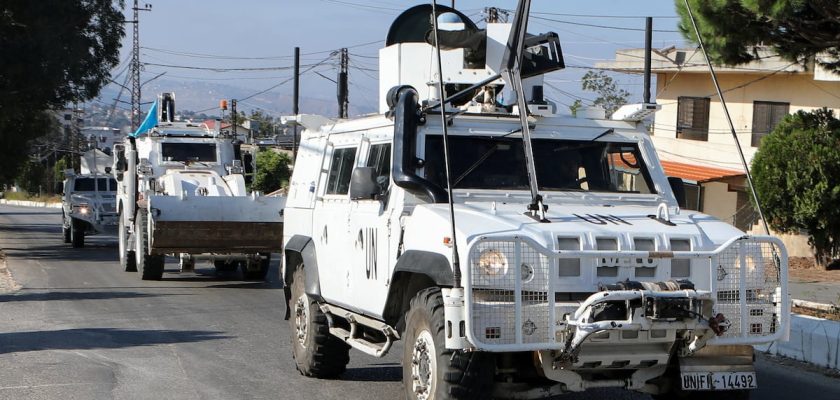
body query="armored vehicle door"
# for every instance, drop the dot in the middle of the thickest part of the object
(330, 223)
(371, 229)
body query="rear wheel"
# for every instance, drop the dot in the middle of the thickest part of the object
(149, 266)
(317, 353)
(430, 371)
(77, 233)
(256, 270)
(127, 258)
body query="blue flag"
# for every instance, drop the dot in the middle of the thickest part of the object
(150, 122)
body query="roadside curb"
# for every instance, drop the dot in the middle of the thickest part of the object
(812, 340)
(26, 203)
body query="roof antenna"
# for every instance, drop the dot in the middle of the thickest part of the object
(512, 71)
(456, 263)
(728, 118)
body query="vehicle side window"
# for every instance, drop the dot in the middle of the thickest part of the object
(379, 157)
(341, 167)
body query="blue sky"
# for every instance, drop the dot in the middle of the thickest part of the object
(186, 37)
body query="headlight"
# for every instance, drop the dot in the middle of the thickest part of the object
(82, 209)
(492, 262)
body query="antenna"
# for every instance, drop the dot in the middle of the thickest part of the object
(728, 118)
(456, 263)
(512, 71)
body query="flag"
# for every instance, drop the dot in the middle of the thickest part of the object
(150, 122)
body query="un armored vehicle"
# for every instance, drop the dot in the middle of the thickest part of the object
(87, 206)
(516, 252)
(182, 192)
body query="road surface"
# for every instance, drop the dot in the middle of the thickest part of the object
(80, 328)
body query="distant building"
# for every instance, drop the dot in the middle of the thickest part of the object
(691, 134)
(242, 132)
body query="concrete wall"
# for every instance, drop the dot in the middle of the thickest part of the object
(796, 244)
(813, 340)
(800, 90)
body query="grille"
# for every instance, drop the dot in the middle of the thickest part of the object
(746, 277)
(499, 284)
(514, 284)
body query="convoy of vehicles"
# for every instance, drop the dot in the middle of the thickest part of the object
(517, 252)
(559, 260)
(182, 192)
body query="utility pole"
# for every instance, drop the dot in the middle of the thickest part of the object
(343, 100)
(295, 94)
(135, 65)
(233, 130)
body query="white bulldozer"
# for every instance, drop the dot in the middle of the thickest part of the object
(182, 192)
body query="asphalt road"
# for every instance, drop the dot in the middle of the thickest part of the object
(80, 328)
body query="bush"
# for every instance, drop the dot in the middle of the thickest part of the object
(797, 178)
(273, 171)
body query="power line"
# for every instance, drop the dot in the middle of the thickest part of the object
(620, 28)
(608, 16)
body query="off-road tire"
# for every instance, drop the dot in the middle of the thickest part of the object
(149, 266)
(259, 273)
(77, 234)
(128, 260)
(317, 353)
(452, 374)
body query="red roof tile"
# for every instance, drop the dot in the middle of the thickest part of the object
(699, 173)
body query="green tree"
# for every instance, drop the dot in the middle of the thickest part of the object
(273, 171)
(797, 178)
(609, 97)
(31, 177)
(732, 29)
(53, 52)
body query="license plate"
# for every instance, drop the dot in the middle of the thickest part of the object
(718, 380)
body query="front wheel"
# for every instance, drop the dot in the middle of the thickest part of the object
(149, 266)
(77, 233)
(65, 232)
(430, 371)
(317, 353)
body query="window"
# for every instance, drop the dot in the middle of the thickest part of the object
(185, 152)
(103, 183)
(498, 163)
(84, 185)
(379, 157)
(341, 167)
(766, 116)
(693, 118)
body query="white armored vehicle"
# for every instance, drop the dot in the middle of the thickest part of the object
(182, 192)
(87, 204)
(559, 260)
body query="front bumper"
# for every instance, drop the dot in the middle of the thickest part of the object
(745, 280)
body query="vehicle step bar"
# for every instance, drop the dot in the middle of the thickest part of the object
(354, 336)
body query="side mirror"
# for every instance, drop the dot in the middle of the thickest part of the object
(363, 184)
(678, 188)
(59, 188)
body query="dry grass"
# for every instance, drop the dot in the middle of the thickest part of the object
(26, 197)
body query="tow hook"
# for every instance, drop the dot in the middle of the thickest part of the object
(719, 324)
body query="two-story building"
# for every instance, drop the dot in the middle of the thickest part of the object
(691, 133)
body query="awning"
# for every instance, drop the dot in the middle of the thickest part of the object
(698, 173)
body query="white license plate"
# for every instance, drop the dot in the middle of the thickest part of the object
(718, 380)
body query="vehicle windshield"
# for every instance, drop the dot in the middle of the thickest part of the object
(498, 163)
(86, 184)
(186, 152)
